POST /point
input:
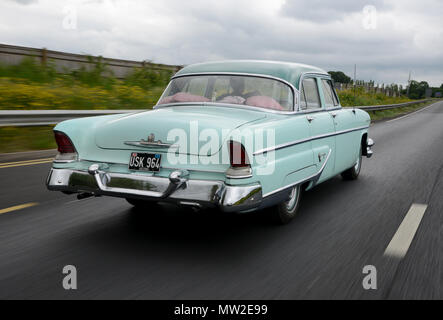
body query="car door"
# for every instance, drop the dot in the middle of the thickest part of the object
(347, 141)
(321, 126)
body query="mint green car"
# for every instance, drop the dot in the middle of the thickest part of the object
(233, 135)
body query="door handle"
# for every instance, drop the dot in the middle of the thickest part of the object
(310, 118)
(334, 114)
(321, 156)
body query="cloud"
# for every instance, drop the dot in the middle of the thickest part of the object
(320, 11)
(25, 1)
(408, 37)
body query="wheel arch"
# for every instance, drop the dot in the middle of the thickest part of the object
(364, 144)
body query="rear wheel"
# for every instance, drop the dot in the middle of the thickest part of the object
(287, 210)
(353, 173)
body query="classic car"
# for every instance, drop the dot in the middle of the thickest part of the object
(234, 135)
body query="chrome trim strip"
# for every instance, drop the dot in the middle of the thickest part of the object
(293, 143)
(150, 144)
(227, 105)
(295, 92)
(314, 178)
(63, 161)
(315, 75)
(239, 177)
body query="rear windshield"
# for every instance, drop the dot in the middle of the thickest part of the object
(230, 89)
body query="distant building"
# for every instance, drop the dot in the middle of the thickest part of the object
(428, 93)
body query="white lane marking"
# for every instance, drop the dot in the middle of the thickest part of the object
(412, 113)
(399, 245)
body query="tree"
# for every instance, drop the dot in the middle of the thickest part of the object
(417, 90)
(339, 77)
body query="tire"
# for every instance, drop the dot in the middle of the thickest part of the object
(286, 211)
(141, 203)
(353, 173)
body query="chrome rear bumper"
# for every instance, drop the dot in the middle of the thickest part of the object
(369, 144)
(178, 188)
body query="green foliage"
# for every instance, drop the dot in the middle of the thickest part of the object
(363, 98)
(31, 86)
(417, 90)
(13, 139)
(146, 77)
(340, 77)
(97, 74)
(31, 70)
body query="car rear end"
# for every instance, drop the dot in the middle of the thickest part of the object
(88, 167)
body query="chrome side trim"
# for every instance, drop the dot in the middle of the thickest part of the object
(296, 142)
(313, 178)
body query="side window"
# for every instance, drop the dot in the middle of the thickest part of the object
(303, 104)
(310, 99)
(329, 94)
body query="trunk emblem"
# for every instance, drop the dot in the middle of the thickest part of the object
(151, 142)
(151, 138)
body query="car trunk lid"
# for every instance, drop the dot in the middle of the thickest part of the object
(155, 125)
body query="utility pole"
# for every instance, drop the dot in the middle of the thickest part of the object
(409, 84)
(355, 78)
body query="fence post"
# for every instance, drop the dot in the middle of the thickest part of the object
(44, 56)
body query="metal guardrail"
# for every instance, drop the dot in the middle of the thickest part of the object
(392, 106)
(23, 118)
(29, 118)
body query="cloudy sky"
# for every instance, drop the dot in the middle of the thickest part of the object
(398, 37)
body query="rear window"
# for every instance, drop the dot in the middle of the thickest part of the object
(230, 89)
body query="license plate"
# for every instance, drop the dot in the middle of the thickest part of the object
(145, 161)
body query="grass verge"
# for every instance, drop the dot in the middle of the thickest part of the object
(16, 139)
(397, 112)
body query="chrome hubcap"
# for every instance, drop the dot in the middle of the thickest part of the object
(357, 165)
(292, 199)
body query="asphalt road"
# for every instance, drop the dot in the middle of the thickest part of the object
(178, 254)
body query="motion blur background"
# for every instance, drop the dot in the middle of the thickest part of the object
(379, 52)
(67, 56)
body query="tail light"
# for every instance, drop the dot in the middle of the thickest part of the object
(240, 165)
(66, 149)
(237, 155)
